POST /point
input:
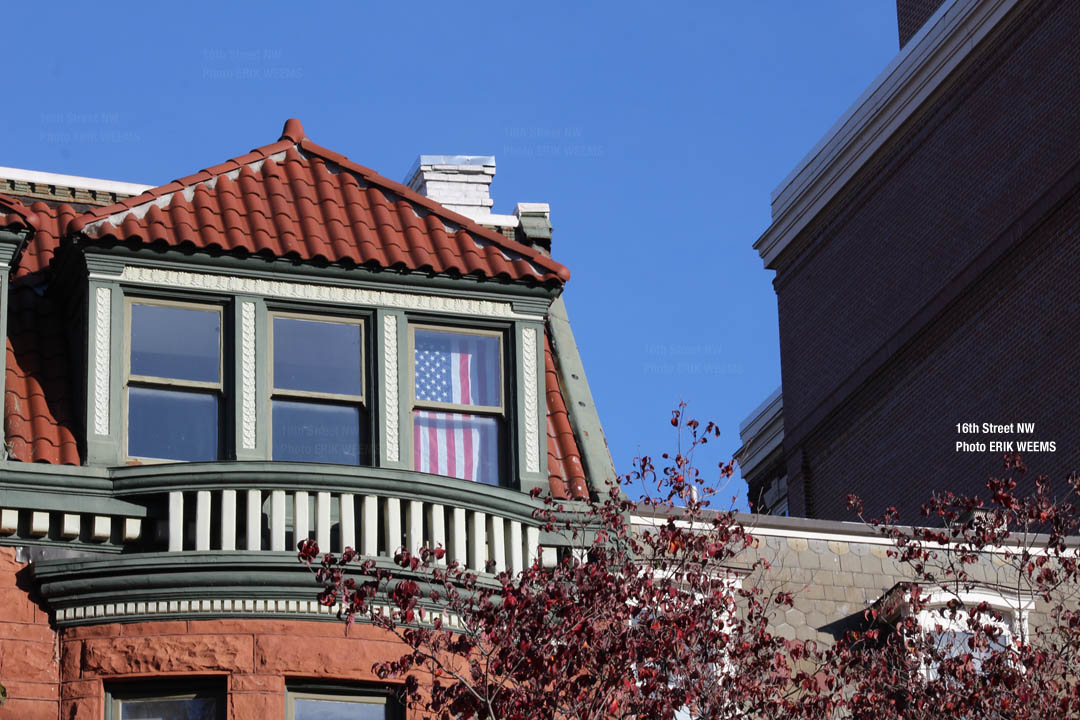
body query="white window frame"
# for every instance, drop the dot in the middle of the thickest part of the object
(1014, 614)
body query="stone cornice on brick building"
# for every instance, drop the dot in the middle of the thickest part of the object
(950, 37)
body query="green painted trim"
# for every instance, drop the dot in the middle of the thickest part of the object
(177, 577)
(102, 548)
(112, 260)
(104, 449)
(64, 500)
(5, 303)
(236, 382)
(13, 238)
(65, 476)
(527, 481)
(580, 405)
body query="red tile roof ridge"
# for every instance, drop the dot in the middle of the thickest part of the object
(98, 220)
(466, 223)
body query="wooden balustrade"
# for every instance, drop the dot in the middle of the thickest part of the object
(276, 520)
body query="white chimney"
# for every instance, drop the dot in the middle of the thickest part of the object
(462, 183)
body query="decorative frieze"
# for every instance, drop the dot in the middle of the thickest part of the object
(330, 294)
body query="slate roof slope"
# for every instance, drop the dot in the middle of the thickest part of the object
(294, 198)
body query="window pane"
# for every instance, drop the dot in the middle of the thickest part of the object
(314, 709)
(318, 356)
(457, 445)
(170, 709)
(175, 342)
(457, 368)
(172, 424)
(316, 432)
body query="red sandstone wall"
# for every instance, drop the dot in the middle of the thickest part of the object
(255, 656)
(29, 654)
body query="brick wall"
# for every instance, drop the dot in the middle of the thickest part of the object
(911, 15)
(29, 660)
(254, 657)
(870, 273)
(1004, 352)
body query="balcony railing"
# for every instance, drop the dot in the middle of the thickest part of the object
(375, 525)
(218, 539)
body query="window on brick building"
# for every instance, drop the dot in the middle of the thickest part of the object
(181, 700)
(339, 703)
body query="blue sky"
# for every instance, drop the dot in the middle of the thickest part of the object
(655, 130)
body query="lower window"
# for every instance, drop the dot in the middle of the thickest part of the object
(343, 705)
(171, 701)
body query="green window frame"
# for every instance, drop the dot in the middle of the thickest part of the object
(132, 380)
(365, 456)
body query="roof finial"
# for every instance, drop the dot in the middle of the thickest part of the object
(293, 130)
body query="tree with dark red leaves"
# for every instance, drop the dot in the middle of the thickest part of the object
(989, 626)
(645, 620)
(659, 609)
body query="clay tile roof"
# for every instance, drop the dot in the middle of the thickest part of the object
(565, 473)
(294, 198)
(38, 422)
(49, 225)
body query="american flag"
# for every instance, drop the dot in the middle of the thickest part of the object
(460, 369)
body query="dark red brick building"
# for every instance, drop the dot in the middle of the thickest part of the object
(925, 254)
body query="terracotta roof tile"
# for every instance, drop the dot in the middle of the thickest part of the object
(38, 422)
(294, 198)
(566, 475)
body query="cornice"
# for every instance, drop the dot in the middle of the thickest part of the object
(949, 37)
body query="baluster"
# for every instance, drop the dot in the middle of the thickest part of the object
(347, 522)
(176, 521)
(516, 564)
(460, 556)
(322, 521)
(254, 520)
(477, 542)
(438, 529)
(497, 542)
(228, 519)
(300, 516)
(532, 543)
(393, 525)
(369, 525)
(414, 526)
(277, 520)
(202, 520)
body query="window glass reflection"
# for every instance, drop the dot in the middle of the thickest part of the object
(175, 342)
